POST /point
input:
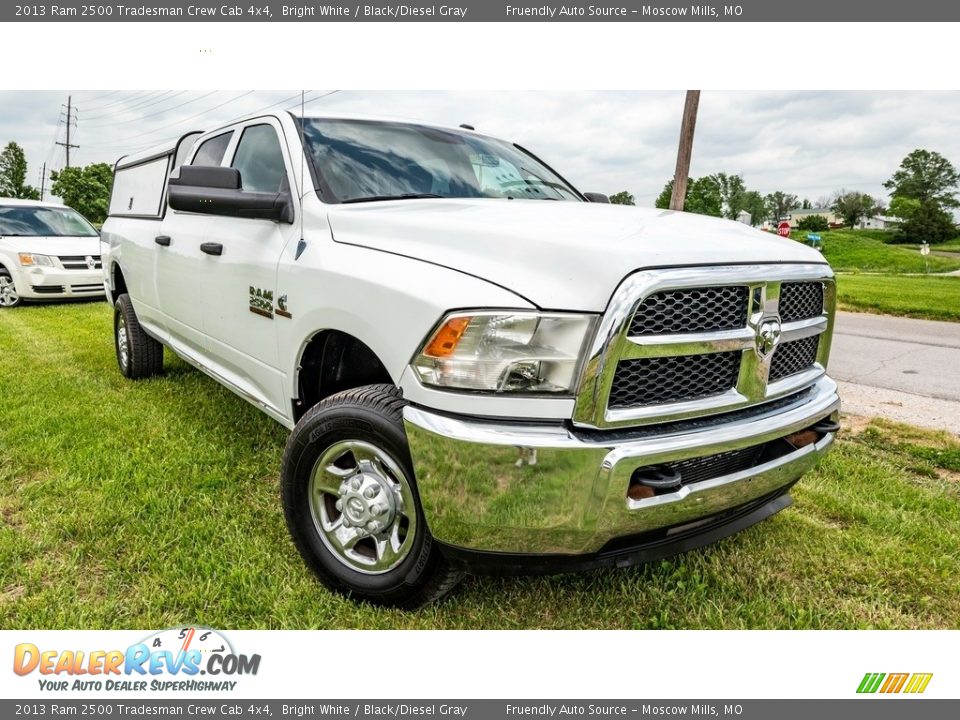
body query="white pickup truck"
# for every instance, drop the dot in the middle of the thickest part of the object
(482, 367)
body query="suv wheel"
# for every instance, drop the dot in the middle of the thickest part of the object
(351, 502)
(8, 291)
(138, 355)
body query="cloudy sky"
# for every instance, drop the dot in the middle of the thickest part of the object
(807, 143)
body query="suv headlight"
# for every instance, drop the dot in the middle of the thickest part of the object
(515, 352)
(32, 260)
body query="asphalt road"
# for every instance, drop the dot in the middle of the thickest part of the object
(906, 370)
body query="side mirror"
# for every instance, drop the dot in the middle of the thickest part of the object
(597, 197)
(219, 191)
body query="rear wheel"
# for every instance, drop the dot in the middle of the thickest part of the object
(138, 355)
(9, 297)
(352, 506)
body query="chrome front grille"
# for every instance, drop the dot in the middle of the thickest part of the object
(655, 380)
(794, 357)
(691, 342)
(691, 310)
(800, 300)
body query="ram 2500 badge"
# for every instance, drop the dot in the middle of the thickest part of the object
(482, 367)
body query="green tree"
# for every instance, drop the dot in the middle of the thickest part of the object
(703, 196)
(806, 204)
(779, 205)
(813, 223)
(732, 190)
(755, 204)
(86, 189)
(622, 198)
(927, 223)
(13, 174)
(928, 177)
(851, 206)
(923, 190)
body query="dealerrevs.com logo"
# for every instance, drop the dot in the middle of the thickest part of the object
(180, 659)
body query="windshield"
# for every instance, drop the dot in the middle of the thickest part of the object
(33, 221)
(359, 160)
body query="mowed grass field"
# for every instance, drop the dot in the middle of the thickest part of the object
(930, 297)
(874, 276)
(152, 504)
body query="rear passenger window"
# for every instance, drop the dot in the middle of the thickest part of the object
(260, 160)
(211, 151)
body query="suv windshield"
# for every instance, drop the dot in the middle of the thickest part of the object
(361, 160)
(34, 221)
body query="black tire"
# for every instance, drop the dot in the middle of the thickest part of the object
(8, 299)
(143, 356)
(372, 415)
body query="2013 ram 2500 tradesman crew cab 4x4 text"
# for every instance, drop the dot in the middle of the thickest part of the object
(483, 368)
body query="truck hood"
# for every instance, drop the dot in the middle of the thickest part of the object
(54, 245)
(558, 255)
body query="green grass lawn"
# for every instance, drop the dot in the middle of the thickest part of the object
(929, 297)
(865, 251)
(148, 505)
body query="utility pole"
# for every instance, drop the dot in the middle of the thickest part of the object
(67, 144)
(685, 150)
(43, 181)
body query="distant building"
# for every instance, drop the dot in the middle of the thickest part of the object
(744, 217)
(880, 222)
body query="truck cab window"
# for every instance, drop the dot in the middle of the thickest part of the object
(260, 160)
(211, 151)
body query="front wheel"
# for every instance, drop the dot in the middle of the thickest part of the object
(352, 506)
(9, 297)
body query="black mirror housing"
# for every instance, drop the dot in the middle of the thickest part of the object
(219, 191)
(597, 198)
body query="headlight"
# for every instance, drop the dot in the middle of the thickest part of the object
(505, 352)
(30, 260)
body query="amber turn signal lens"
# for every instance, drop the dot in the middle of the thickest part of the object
(445, 340)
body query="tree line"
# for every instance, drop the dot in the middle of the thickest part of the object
(923, 192)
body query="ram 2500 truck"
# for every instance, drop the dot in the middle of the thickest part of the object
(482, 367)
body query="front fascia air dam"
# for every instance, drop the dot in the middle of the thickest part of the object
(574, 500)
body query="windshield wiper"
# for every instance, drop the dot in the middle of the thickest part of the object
(403, 196)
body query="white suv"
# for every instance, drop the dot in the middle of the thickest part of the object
(482, 367)
(47, 252)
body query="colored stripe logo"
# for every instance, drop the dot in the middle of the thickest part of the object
(913, 683)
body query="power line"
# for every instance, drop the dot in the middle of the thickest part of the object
(138, 95)
(147, 102)
(154, 114)
(121, 141)
(100, 97)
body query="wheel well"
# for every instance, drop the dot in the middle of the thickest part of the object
(119, 284)
(334, 361)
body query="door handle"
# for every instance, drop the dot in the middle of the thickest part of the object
(163, 240)
(212, 248)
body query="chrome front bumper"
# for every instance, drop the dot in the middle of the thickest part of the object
(573, 501)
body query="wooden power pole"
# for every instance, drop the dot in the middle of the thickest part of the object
(685, 150)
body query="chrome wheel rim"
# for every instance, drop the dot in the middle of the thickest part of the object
(8, 292)
(362, 506)
(123, 342)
